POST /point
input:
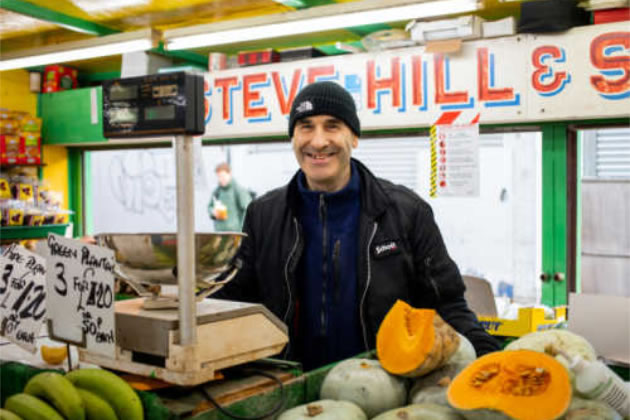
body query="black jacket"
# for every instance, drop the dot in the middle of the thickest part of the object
(401, 256)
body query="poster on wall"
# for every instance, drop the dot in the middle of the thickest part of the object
(455, 160)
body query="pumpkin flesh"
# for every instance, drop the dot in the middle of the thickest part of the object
(522, 384)
(412, 342)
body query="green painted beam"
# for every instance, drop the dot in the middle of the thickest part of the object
(184, 55)
(75, 189)
(554, 217)
(304, 4)
(61, 19)
(88, 78)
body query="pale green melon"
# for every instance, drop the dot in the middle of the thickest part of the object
(325, 410)
(365, 383)
(581, 409)
(420, 412)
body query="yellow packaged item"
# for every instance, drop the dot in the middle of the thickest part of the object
(31, 124)
(16, 217)
(5, 189)
(9, 126)
(25, 193)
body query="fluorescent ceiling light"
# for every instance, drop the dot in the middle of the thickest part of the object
(81, 50)
(293, 24)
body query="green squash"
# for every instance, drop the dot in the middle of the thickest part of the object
(365, 383)
(581, 409)
(420, 412)
(325, 410)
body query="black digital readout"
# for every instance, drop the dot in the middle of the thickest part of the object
(163, 112)
(123, 93)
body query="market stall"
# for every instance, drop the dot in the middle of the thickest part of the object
(186, 356)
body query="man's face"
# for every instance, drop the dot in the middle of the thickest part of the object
(224, 178)
(323, 145)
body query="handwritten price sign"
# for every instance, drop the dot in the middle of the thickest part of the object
(22, 296)
(80, 286)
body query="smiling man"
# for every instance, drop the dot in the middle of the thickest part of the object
(332, 251)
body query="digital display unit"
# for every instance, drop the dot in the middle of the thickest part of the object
(154, 105)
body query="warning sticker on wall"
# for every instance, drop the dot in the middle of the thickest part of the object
(455, 160)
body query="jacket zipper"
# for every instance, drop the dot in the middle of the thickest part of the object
(337, 269)
(324, 220)
(367, 285)
(286, 278)
(427, 266)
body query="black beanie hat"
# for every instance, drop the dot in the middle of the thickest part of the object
(325, 98)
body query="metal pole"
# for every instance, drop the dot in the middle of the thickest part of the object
(185, 167)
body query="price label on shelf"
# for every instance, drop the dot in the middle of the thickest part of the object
(80, 287)
(22, 296)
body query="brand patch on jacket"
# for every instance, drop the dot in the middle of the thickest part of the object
(385, 248)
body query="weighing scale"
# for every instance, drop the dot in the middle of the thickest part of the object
(186, 345)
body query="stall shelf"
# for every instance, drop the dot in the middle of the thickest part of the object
(31, 232)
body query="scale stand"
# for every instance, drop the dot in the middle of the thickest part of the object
(188, 345)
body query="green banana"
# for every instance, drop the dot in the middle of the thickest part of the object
(118, 393)
(31, 408)
(59, 392)
(8, 415)
(96, 408)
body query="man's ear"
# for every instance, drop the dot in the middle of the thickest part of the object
(355, 141)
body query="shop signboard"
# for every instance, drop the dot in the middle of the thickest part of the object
(579, 74)
(22, 296)
(80, 290)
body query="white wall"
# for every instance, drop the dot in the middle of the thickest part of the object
(496, 235)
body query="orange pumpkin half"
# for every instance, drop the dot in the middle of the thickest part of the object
(523, 384)
(413, 342)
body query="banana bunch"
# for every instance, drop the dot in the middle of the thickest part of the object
(84, 394)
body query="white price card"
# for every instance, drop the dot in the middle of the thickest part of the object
(22, 296)
(455, 160)
(80, 287)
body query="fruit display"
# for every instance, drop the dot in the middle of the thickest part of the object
(110, 388)
(365, 383)
(528, 380)
(55, 389)
(84, 394)
(412, 342)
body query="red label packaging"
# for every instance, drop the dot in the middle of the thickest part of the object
(11, 150)
(32, 147)
(58, 78)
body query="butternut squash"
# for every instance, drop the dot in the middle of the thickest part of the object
(520, 384)
(412, 342)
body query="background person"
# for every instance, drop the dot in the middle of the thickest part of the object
(228, 201)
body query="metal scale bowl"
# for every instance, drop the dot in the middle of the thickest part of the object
(147, 260)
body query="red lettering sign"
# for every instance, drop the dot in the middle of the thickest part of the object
(485, 92)
(602, 49)
(558, 78)
(374, 84)
(441, 96)
(286, 101)
(314, 72)
(225, 84)
(250, 111)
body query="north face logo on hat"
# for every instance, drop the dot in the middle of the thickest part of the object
(304, 106)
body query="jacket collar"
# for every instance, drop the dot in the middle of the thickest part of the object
(374, 199)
